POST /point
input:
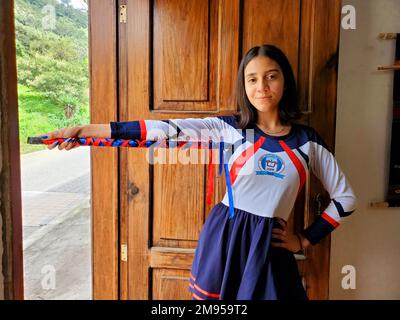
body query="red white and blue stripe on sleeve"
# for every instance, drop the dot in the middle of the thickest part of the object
(343, 200)
(132, 130)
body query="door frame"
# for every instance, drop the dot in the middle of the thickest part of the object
(103, 57)
(104, 162)
(10, 198)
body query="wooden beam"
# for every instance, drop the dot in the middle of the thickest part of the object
(10, 180)
(104, 161)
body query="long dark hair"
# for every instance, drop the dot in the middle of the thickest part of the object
(288, 108)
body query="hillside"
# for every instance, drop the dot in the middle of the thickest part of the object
(52, 62)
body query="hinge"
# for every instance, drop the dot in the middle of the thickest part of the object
(124, 252)
(122, 13)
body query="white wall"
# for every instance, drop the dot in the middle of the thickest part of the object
(1, 255)
(1, 234)
(370, 238)
(1, 238)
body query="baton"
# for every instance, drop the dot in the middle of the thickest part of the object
(130, 143)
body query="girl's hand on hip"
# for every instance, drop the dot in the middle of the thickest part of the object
(289, 240)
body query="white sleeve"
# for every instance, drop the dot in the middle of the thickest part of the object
(342, 197)
(215, 129)
(328, 171)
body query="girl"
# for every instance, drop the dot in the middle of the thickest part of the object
(245, 250)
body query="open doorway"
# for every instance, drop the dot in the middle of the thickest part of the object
(53, 92)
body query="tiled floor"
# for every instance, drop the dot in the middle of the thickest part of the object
(56, 224)
(39, 208)
(58, 265)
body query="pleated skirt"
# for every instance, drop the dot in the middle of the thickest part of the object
(234, 260)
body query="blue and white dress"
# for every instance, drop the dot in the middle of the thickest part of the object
(264, 175)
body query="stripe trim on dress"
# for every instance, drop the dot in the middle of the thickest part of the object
(296, 161)
(197, 290)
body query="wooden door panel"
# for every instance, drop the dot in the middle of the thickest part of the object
(175, 258)
(181, 70)
(178, 211)
(170, 284)
(184, 55)
(324, 63)
(273, 22)
(305, 70)
(170, 273)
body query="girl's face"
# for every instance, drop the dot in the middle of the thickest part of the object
(264, 84)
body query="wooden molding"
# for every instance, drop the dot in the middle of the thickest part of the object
(10, 197)
(104, 161)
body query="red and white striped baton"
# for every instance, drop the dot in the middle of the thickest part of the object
(130, 143)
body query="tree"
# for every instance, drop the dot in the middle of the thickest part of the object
(54, 62)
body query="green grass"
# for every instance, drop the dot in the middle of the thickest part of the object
(38, 116)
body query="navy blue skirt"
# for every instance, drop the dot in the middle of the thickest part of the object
(234, 260)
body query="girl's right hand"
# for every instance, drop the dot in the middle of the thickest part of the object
(69, 132)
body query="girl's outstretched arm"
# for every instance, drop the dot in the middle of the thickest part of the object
(214, 129)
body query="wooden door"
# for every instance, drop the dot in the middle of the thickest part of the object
(177, 59)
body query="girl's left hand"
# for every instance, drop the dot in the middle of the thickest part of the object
(290, 241)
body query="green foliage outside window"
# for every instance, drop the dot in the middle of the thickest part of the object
(52, 63)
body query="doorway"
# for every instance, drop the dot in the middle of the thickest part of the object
(53, 92)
